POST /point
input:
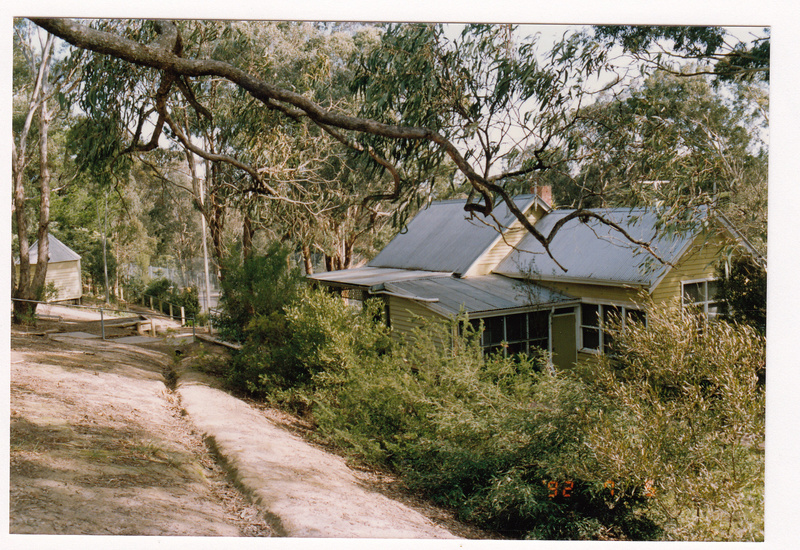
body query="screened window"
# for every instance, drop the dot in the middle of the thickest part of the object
(700, 297)
(517, 333)
(596, 320)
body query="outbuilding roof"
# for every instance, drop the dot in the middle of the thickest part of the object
(445, 238)
(59, 252)
(592, 251)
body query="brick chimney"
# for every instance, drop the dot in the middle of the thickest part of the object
(545, 193)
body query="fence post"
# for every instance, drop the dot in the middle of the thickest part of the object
(102, 324)
(183, 316)
(170, 311)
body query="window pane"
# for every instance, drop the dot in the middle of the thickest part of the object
(590, 315)
(591, 338)
(492, 331)
(540, 343)
(539, 325)
(516, 329)
(635, 316)
(693, 292)
(518, 347)
(713, 288)
(611, 314)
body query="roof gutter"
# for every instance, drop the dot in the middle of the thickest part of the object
(578, 280)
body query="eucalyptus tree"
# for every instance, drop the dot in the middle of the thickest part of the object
(38, 78)
(674, 141)
(473, 99)
(713, 50)
(159, 47)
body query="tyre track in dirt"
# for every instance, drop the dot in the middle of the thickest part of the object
(98, 447)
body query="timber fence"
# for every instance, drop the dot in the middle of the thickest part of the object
(116, 321)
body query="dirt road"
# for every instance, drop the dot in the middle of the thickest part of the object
(98, 446)
(111, 438)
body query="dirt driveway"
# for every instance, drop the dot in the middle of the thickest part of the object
(101, 445)
(98, 446)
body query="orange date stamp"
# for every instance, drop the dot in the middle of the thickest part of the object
(566, 488)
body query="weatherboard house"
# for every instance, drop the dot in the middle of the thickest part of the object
(63, 270)
(446, 263)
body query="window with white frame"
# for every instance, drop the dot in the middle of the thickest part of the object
(700, 297)
(516, 333)
(596, 320)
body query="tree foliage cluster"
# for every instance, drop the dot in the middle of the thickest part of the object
(366, 123)
(328, 136)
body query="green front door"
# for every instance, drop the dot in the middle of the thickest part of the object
(565, 351)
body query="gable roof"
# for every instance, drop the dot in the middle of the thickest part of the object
(445, 238)
(597, 253)
(59, 252)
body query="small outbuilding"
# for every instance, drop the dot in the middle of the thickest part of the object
(63, 270)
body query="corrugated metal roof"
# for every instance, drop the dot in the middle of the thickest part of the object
(443, 237)
(594, 251)
(370, 276)
(59, 252)
(477, 295)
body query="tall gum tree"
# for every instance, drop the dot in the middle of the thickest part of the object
(488, 84)
(34, 89)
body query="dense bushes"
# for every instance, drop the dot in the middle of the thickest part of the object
(255, 287)
(658, 441)
(683, 408)
(743, 287)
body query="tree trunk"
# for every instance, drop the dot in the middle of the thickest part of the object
(31, 288)
(307, 263)
(247, 234)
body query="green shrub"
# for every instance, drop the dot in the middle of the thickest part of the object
(188, 299)
(682, 408)
(478, 434)
(162, 290)
(312, 342)
(134, 289)
(256, 286)
(744, 290)
(158, 288)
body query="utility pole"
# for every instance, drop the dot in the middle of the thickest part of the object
(105, 230)
(205, 247)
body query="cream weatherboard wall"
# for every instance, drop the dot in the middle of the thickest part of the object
(66, 277)
(698, 263)
(605, 294)
(406, 316)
